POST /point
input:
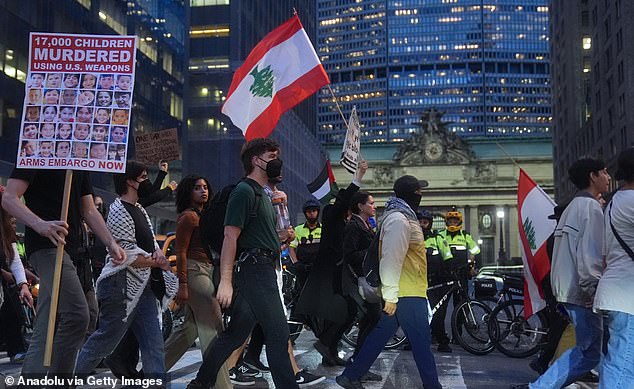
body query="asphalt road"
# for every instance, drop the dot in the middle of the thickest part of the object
(457, 370)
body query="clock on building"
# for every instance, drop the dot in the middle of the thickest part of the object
(433, 151)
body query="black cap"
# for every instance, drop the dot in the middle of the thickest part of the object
(625, 165)
(408, 184)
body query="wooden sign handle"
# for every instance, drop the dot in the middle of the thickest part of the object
(57, 275)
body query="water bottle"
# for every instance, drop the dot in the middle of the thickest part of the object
(282, 219)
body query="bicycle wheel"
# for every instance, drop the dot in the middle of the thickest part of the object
(469, 325)
(514, 335)
(350, 337)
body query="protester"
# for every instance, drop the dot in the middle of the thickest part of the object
(255, 243)
(133, 306)
(196, 292)
(123, 360)
(321, 301)
(43, 195)
(557, 321)
(437, 251)
(356, 239)
(302, 376)
(575, 271)
(615, 289)
(403, 271)
(15, 289)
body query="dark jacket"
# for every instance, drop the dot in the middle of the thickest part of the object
(321, 297)
(356, 240)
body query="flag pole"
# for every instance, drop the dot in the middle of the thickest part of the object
(338, 107)
(508, 155)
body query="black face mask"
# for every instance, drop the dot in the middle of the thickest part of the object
(412, 199)
(273, 169)
(145, 188)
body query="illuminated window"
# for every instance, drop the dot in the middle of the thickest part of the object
(210, 31)
(206, 3)
(587, 43)
(84, 3)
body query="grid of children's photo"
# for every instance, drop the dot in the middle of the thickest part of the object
(76, 115)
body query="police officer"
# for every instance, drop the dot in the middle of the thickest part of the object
(305, 246)
(438, 251)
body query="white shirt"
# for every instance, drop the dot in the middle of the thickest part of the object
(616, 286)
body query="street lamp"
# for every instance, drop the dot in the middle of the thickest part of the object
(501, 253)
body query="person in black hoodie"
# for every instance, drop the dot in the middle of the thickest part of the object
(321, 302)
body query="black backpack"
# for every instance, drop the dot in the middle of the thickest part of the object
(212, 220)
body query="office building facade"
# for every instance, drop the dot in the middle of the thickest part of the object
(486, 64)
(160, 73)
(592, 54)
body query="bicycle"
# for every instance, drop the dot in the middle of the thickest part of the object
(511, 332)
(468, 319)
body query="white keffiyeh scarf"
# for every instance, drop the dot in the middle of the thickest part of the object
(122, 228)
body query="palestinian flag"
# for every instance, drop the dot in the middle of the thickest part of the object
(324, 186)
(280, 72)
(534, 206)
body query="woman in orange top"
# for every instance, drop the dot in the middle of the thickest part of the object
(196, 289)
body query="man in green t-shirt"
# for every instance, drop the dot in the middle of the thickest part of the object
(252, 243)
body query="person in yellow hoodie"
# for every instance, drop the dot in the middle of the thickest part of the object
(403, 272)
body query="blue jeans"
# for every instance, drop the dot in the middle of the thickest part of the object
(143, 320)
(618, 365)
(411, 316)
(580, 359)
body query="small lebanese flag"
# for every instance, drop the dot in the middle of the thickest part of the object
(281, 71)
(534, 206)
(324, 186)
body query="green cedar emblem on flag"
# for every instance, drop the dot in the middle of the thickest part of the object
(263, 82)
(530, 233)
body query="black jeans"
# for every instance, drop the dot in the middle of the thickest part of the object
(256, 300)
(11, 321)
(438, 322)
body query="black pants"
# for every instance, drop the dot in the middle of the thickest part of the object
(438, 322)
(371, 313)
(556, 326)
(11, 321)
(256, 300)
(332, 333)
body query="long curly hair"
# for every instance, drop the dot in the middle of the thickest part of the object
(184, 191)
(7, 232)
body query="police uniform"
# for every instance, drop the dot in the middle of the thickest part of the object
(438, 252)
(306, 246)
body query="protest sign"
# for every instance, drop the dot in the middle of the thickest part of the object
(352, 145)
(157, 146)
(77, 104)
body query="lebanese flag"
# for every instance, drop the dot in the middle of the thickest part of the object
(534, 206)
(280, 72)
(324, 186)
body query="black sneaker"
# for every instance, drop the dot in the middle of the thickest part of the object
(246, 370)
(304, 378)
(444, 348)
(239, 379)
(589, 377)
(197, 385)
(255, 364)
(369, 376)
(347, 383)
